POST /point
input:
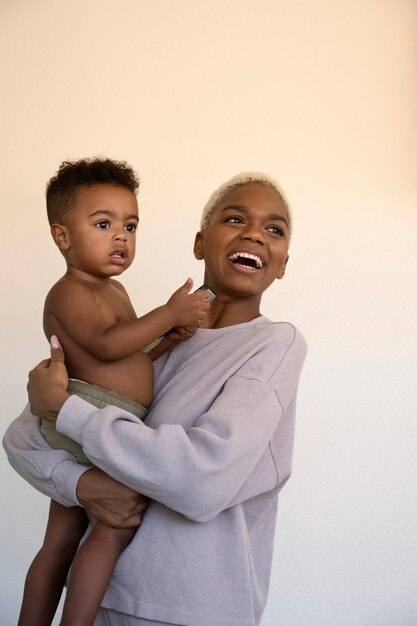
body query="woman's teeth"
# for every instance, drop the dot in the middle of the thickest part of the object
(245, 258)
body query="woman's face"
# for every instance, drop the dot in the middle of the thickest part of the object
(245, 244)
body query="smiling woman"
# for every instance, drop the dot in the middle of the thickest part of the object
(216, 447)
(244, 242)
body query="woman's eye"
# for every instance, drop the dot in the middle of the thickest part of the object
(277, 230)
(234, 219)
(131, 228)
(103, 224)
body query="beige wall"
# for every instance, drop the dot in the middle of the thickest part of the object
(321, 94)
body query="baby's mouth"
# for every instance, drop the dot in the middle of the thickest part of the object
(119, 254)
(247, 260)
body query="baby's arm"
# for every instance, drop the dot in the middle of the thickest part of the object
(179, 333)
(82, 317)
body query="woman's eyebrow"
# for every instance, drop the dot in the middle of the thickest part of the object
(236, 207)
(244, 209)
(278, 218)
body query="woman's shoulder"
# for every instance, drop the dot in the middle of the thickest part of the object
(281, 333)
(281, 348)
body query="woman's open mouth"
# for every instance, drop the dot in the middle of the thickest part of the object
(246, 260)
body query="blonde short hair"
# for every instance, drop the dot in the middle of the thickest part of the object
(245, 178)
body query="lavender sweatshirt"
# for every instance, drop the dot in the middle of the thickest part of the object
(213, 454)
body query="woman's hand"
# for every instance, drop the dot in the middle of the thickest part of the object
(47, 386)
(108, 500)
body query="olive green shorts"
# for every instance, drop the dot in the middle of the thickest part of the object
(97, 396)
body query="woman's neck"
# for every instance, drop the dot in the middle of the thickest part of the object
(229, 313)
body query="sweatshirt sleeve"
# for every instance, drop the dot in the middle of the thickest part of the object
(197, 471)
(52, 472)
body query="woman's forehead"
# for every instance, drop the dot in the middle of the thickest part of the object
(253, 196)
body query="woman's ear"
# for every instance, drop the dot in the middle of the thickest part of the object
(281, 271)
(198, 246)
(61, 236)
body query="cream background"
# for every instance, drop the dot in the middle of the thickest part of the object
(320, 94)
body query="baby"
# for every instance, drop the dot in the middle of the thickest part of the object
(93, 213)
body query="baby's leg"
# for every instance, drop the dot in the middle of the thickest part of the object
(91, 572)
(46, 576)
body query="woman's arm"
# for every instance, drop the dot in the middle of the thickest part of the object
(202, 470)
(54, 472)
(196, 472)
(199, 471)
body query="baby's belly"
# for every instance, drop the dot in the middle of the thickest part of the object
(132, 377)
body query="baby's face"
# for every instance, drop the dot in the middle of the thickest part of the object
(101, 229)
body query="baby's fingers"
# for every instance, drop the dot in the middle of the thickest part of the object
(180, 333)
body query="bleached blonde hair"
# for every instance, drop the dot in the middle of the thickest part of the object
(244, 178)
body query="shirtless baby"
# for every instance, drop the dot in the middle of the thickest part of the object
(93, 213)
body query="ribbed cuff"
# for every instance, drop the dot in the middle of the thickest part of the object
(73, 416)
(65, 478)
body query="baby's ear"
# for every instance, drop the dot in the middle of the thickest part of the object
(198, 246)
(61, 236)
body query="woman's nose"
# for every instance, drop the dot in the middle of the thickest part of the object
(253, 232)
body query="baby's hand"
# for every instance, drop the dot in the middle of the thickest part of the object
(180, 333)
(188, 309)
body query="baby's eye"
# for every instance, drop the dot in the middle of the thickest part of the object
(277, 230)
(131, 228)
(103, 224)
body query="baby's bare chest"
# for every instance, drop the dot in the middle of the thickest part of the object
(114, 306)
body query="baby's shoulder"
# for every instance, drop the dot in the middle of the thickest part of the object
(66, 285)
(118, 286)
(67, 294)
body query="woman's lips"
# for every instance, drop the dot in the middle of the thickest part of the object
(246, 260)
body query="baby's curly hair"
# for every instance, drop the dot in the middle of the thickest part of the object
(62, 189)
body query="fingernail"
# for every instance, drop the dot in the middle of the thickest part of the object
(55, 345)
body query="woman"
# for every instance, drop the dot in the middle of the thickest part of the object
(216, 447)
